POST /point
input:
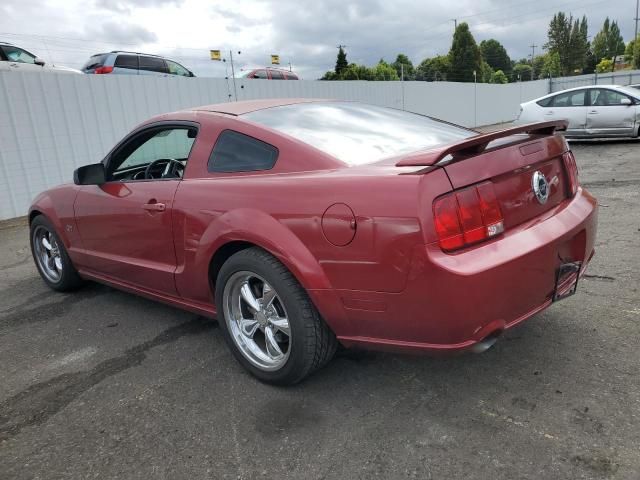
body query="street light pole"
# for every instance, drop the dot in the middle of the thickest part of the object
(402, 82)
(233, 74)
(475, 99)
(635, 36)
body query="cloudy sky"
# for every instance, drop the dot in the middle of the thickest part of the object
(304, 33)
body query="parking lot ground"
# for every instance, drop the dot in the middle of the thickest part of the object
(104, 384)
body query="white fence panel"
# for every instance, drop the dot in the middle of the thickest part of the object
(621, 77)
(51, 124)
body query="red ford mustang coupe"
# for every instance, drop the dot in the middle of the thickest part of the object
(305, 224)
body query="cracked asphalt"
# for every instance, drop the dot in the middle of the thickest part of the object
(104, 384)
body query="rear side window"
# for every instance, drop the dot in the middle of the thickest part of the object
(126, 61)
(236, 152)
(153, 64)
(275, 75)
(95, 61)
(545, 102)
(260, 74)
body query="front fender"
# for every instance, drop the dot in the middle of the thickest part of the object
(57, 205)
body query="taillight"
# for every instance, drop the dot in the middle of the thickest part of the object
(571, 167)
(101, 70)
(467, 216)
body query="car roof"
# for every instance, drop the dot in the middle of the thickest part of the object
(583, 87)
(247, 106)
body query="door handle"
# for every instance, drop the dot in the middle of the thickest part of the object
(593, 112)
(550, 112)
(154, 207)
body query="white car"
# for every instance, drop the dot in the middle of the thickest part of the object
(17, 59)
(594, 111)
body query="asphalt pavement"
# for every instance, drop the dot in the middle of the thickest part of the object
(104, 384)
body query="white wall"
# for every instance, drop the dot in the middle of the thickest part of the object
(52, 123)
(621, 77)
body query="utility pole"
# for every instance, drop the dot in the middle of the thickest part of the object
(233, 74)
(455, 23)
(533, 52)
(402, 83)
(635, 36)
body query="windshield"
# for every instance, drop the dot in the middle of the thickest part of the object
(357, 133)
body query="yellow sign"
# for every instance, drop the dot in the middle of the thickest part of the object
(215, 55)
(275, 59)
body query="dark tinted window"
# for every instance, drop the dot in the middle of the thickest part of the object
(95, 61)
(126, 61)
(260, 74)
(276, 75)
(236, 152)
(545, 102)
(356, 133)
(153, 64)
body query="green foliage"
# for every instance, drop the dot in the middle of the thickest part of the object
(486, 73)
(434, 69)
(464, 55)
(605, 65)
(632, 54)
(524, 70)
(551, 66)
(608, 42)
(384, 71)
(341, 61)
(569, 40)
(495, 55)
(499, 77)
(537, 64)
(403, 63)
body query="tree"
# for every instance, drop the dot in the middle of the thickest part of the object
(631, 54)
(499, 77)
(434, 69)
(384, 71)
(537, 64)
(465, 56)
(486, 73)
(605, 65)
(569, 40)
(524, 70)
(551, 66)
(356, 72)
(579, 45)
(608, 42)
(341, 61)
(495, 55)
(404, 66)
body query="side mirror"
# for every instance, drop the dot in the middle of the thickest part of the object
(626, 101)
(39, 61)
(93, 174)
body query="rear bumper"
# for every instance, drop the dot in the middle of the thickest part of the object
(452, 302)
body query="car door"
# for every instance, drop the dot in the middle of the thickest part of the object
(607, 116)
(153, 66)
(125, 224)
(571, 106)
(19, 59)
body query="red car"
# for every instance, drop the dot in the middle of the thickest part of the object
(302, 225)
(271, 74)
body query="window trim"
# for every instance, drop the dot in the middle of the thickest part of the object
(161, 125)
(587, 99)
(222, 132)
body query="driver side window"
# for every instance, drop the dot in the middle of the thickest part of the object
(160, 153)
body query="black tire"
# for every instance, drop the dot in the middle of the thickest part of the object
(68, 277)
(311, 343)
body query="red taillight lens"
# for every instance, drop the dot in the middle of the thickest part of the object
(571, 167)
(102, 70)
(467, 216)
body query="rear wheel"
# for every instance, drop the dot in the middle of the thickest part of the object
(51, 258)
(268, 320)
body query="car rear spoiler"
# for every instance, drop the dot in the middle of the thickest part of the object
(475, 145)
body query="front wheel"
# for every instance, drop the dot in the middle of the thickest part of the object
(268, 320)
(51, 258)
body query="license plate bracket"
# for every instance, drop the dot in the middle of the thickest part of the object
(567, 277)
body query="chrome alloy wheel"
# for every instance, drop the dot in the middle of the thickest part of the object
(47, 253)
(257, 320)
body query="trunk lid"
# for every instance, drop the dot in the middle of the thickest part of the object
(510, 164)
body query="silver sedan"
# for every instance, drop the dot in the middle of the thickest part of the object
(594, 111)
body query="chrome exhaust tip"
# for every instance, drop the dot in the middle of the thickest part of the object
(487, 342)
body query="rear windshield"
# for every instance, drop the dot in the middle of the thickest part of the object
(95, 61)
(356, 133)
